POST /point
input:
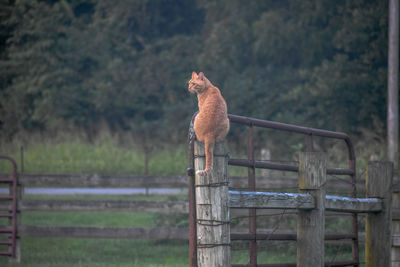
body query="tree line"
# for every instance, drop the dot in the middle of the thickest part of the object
(126, 63)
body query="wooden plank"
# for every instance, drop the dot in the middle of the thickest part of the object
(160, 233)
(395, 212)
(395, 252)
(346, 204)
(212, 208)
(97, 180)
(156, 233)
(260, 200)
(311, 223)
(101, 205)
(396, 240)
(140, 181)
(128, 205)
(237, 199)
(378, 225)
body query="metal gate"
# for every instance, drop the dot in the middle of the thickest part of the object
(252, 164)
(8, 231)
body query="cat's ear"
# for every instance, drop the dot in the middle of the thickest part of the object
(201, 76)
(194, 75)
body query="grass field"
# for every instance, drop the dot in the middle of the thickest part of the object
(104, 158)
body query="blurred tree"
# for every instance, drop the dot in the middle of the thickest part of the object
(34, 62)
(344, 91)
(125, 63)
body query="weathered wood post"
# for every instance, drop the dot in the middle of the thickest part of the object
(395, 224)
(378, 225)
(311, 223)
(212, 208)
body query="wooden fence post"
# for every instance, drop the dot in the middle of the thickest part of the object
(311, 223)
(212, 208)
(395, 224)
(378, 225)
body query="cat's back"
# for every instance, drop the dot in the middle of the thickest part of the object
(213, 115)
(213, 104)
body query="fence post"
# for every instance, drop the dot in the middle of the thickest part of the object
(378, 225)
(311, 223)
(212, 208)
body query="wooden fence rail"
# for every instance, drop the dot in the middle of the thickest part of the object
(101, 205)
(176, 181)
(261, 200)
(153, 233)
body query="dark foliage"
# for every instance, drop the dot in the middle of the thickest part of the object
(126, 63)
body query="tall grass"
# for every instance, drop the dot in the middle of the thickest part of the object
(105, 158)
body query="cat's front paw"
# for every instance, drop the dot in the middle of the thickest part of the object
(203, 172)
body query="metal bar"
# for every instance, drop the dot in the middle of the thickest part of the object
(262, 164)
(3, 253)
(192, 198)
(341, 263)
(266, 265)
(252, 187)
(330, 264)
(287, 127)
(283, 166)
(309, 143)
(354, 219)
(13, 197)
(22, 159)
(285, 236)
(264, 236)
(14, 209)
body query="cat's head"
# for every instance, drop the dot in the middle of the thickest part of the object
(199, 83)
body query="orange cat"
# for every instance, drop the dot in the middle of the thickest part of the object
(211, 123)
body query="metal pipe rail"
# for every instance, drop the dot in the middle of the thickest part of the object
(11, 212)
(296, 129)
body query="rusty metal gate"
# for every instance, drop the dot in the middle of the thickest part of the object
(8, 232)
(252, 164)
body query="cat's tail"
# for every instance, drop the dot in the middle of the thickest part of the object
(209, 151)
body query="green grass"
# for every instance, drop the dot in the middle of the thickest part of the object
(39, 252)
(95, 218)
(104, 158)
